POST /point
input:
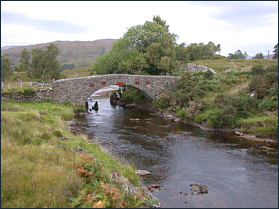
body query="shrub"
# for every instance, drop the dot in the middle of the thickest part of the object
(78, 108)
(182, 113)
(28, 91)
(193, 109)
(258, 70)
(268, 103)
(222, 117)
(57, 133)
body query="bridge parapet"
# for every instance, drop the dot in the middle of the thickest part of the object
(77, 90)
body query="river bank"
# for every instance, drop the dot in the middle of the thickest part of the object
(45, 163)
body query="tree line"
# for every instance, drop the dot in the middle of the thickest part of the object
(38, 64)
(151, 49)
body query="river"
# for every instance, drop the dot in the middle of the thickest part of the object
(178, 155)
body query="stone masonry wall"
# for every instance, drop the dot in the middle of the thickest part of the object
(77, 90)
(195, 68)
(39, 95)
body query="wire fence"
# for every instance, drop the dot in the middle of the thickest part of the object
(22, 85)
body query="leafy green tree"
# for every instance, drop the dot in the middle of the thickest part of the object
(148, 48)
(42, 63)
(202, 51)
(259, 56)
(6, 67)
(25, 62)
(238, 55)
(18, 69)
(275, 52)
(181, 52)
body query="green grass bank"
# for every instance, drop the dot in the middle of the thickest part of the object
(41, 170)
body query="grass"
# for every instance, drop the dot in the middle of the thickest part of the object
(36, 174)
(238, 64)
(78, 72)
(263, 126)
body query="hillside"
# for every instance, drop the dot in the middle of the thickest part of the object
(77, 53)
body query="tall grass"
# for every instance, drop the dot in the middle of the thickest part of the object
(34, 173)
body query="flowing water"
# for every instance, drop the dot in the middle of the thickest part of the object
(178, 155)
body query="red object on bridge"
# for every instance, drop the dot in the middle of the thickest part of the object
(103, 83)
(91, 85)
(120, 84)
(137, 82)
(147, 82)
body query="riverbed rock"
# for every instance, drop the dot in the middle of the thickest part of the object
(142, 172)
(199, 189)
(176, 119)
(130, 189)
(238, 133)
(135, 119)
(63, 138)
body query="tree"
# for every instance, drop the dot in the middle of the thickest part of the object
(42, 63)
(275, 52)
(238, 55)
(181, 52)
(6, 67)
(201, 51)
(147, 48)
(25, 62)
(259, 56)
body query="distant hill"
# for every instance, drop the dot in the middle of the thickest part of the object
(7, 47)
(72, 53)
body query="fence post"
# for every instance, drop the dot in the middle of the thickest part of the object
(8, 86)
(2, 84)
(21, 83)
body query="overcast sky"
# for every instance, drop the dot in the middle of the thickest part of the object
(250, 26)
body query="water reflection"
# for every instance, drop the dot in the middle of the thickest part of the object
(178, 155)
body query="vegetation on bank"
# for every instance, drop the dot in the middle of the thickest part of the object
(246, 99)
(207, 99)
(222, 64)
(40, 170)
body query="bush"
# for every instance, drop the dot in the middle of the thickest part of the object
(222, 117)
(258, 70)
(78, 108)
(269, 103)
(57, 133)
(182, 113)
(28, 91)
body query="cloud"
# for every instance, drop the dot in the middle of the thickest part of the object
(44, 25)
(243, 14)
(233, 24)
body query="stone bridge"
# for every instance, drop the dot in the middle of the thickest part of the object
(77, 90)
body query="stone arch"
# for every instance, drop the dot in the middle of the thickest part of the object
(77, 90)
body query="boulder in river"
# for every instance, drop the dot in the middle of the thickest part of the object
(199, 189)
(142, 172)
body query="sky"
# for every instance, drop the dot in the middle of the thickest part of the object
(250, 26)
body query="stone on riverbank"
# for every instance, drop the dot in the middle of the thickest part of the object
(142, 172)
